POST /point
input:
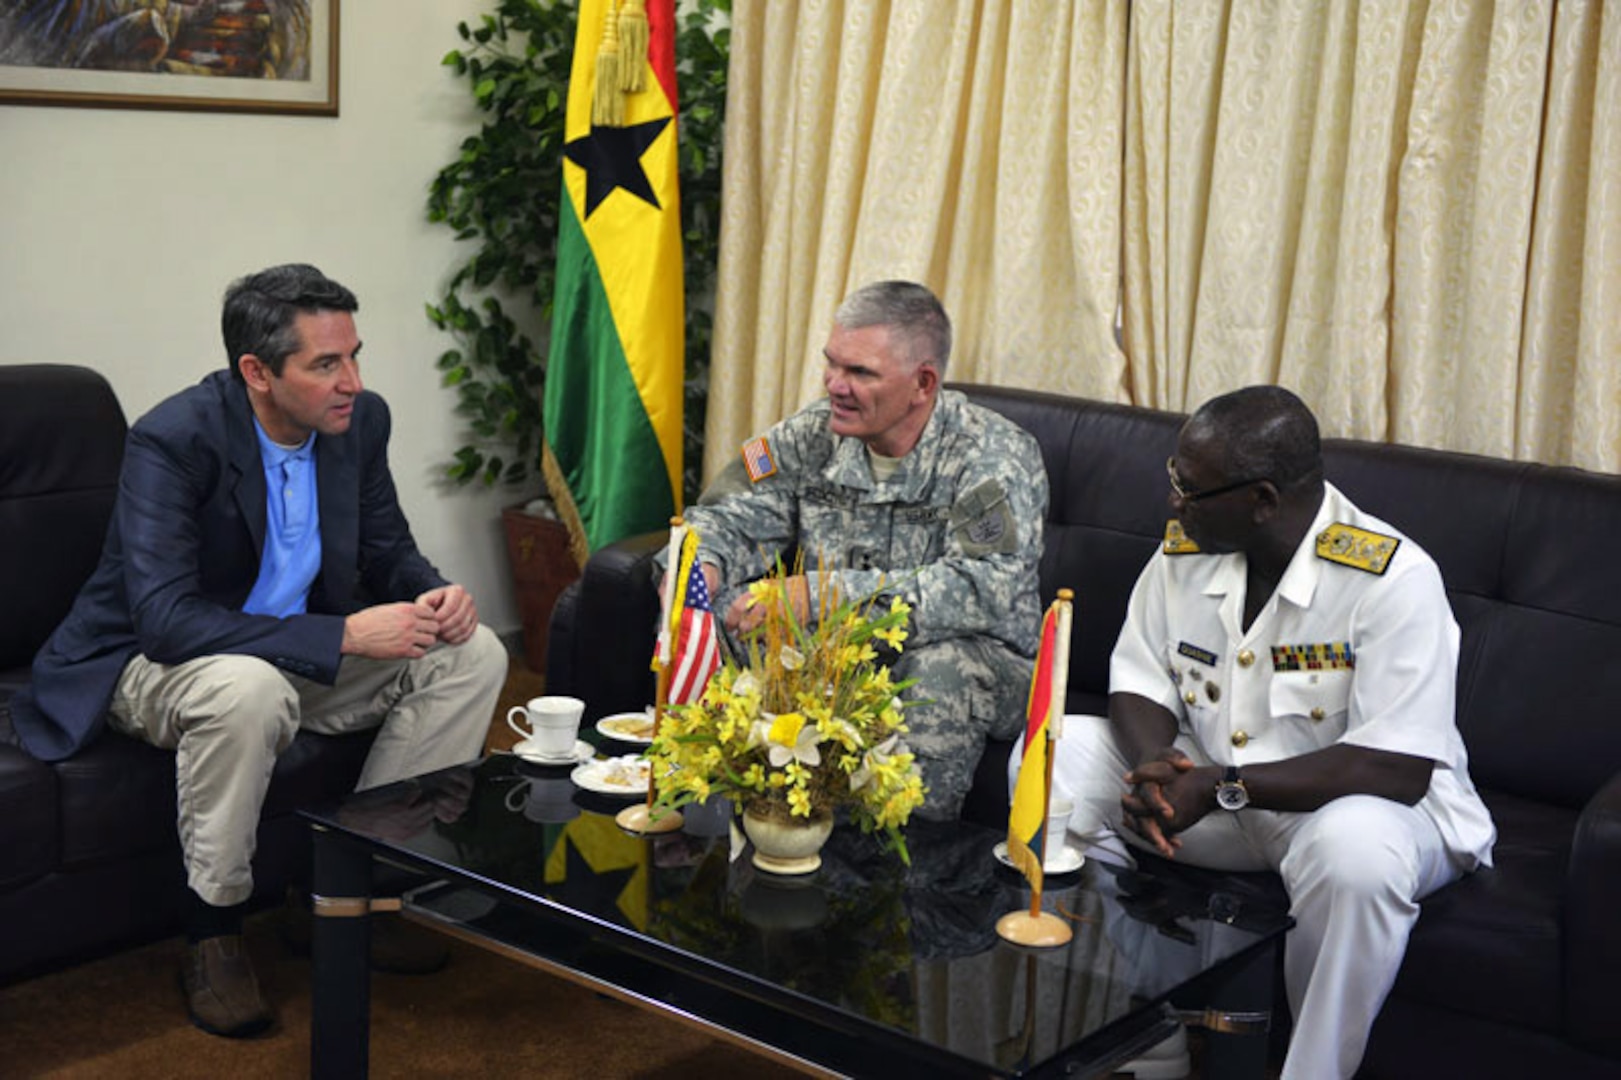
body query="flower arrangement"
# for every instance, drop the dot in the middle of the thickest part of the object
(812, 721)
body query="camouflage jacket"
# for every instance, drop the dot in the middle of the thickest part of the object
(956, 531)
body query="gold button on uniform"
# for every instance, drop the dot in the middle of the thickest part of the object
(1240, 738)
(1246, 658)
(1318, 713)
(1191, 698)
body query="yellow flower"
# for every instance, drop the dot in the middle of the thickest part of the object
(892, 636)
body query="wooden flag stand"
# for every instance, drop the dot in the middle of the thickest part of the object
(642, 818)
(1037, 928)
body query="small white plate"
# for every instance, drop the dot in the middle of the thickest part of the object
(1066, 861)
(625, 775)
(582, 751)
(622, 727)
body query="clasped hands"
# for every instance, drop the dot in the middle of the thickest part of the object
(1167, 795)
(407, 629)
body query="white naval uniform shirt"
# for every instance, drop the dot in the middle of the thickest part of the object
(1183, 646)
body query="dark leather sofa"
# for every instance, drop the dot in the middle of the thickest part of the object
(89, 856)
(1511, 972)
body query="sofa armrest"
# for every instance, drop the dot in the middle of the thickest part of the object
(1592, 931)
(603, 629)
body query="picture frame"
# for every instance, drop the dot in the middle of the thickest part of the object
(258, 56)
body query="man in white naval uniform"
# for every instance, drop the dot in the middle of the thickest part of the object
(1281, 698)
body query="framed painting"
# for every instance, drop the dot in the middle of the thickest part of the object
(274, 56)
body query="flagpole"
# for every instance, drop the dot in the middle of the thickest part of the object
(641, 819)
(1036, 927)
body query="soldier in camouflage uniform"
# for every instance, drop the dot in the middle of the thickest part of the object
(906, 489)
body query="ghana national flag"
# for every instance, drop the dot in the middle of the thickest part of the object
(612, 403)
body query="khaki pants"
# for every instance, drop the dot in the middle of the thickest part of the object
(228, 717)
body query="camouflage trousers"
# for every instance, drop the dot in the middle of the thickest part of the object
(967, 689)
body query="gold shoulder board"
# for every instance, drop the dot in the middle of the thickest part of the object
(1176, 541)
(1359, 548)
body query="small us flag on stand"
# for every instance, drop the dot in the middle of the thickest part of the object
(696, 653)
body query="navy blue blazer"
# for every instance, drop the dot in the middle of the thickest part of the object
(182, 554)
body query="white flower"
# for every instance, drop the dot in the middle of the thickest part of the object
(870, 761)
(791, 658)
(746, 684)
(790, 738)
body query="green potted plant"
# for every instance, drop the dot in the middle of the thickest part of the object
(502, 194)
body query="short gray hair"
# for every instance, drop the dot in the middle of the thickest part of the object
(914, 315)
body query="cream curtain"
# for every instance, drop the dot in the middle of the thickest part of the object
(973, 145)
(1409, 211)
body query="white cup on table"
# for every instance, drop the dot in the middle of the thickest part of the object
(1059, 812)
(548, 725)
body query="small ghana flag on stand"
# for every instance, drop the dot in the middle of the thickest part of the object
(612, 404)
(1032, 793)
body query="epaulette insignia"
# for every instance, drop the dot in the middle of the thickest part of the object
(1177, 542)
(757, 459)
(1359, 548)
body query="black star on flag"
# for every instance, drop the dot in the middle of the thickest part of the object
(611, 158)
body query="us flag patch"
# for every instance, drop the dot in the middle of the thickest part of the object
(757, 459)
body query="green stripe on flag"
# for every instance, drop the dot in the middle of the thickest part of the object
(596, 425)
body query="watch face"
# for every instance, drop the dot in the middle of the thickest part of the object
(1232, 796)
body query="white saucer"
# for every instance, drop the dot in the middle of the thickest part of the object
(1066, 861)
(582, 752)
(626, 775)
(610, 726)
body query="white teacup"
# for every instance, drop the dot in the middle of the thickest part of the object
(549, 725)
(1059, 811)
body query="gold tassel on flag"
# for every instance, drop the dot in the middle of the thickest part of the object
(633, 47)
(607, 103)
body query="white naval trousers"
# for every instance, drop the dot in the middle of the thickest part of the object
(227, 718)
(1355, 870)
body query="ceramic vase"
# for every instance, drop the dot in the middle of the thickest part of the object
(784, 844)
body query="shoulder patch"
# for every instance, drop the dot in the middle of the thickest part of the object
(757, 459)
(1177, 541)
(1358, 548)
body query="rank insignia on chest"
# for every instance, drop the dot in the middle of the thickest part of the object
(1329, 656)
(757, 459)
(1359, 548)
(1177, 542)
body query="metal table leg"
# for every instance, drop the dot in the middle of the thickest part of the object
(340, 974)
(1239, 1019)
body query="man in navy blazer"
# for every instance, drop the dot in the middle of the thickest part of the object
(259, 577)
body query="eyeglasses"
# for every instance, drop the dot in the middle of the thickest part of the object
(1195, 496)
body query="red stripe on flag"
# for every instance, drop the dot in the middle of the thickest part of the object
(696, 656)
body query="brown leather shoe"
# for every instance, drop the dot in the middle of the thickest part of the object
(222, 994)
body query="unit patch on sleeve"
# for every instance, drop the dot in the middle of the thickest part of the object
(1359, 548)
(1177, 541)
(1328, 656)
(757, 459)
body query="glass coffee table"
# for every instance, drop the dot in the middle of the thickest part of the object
(867, 967)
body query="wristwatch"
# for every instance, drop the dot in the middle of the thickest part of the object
(1231, 794)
